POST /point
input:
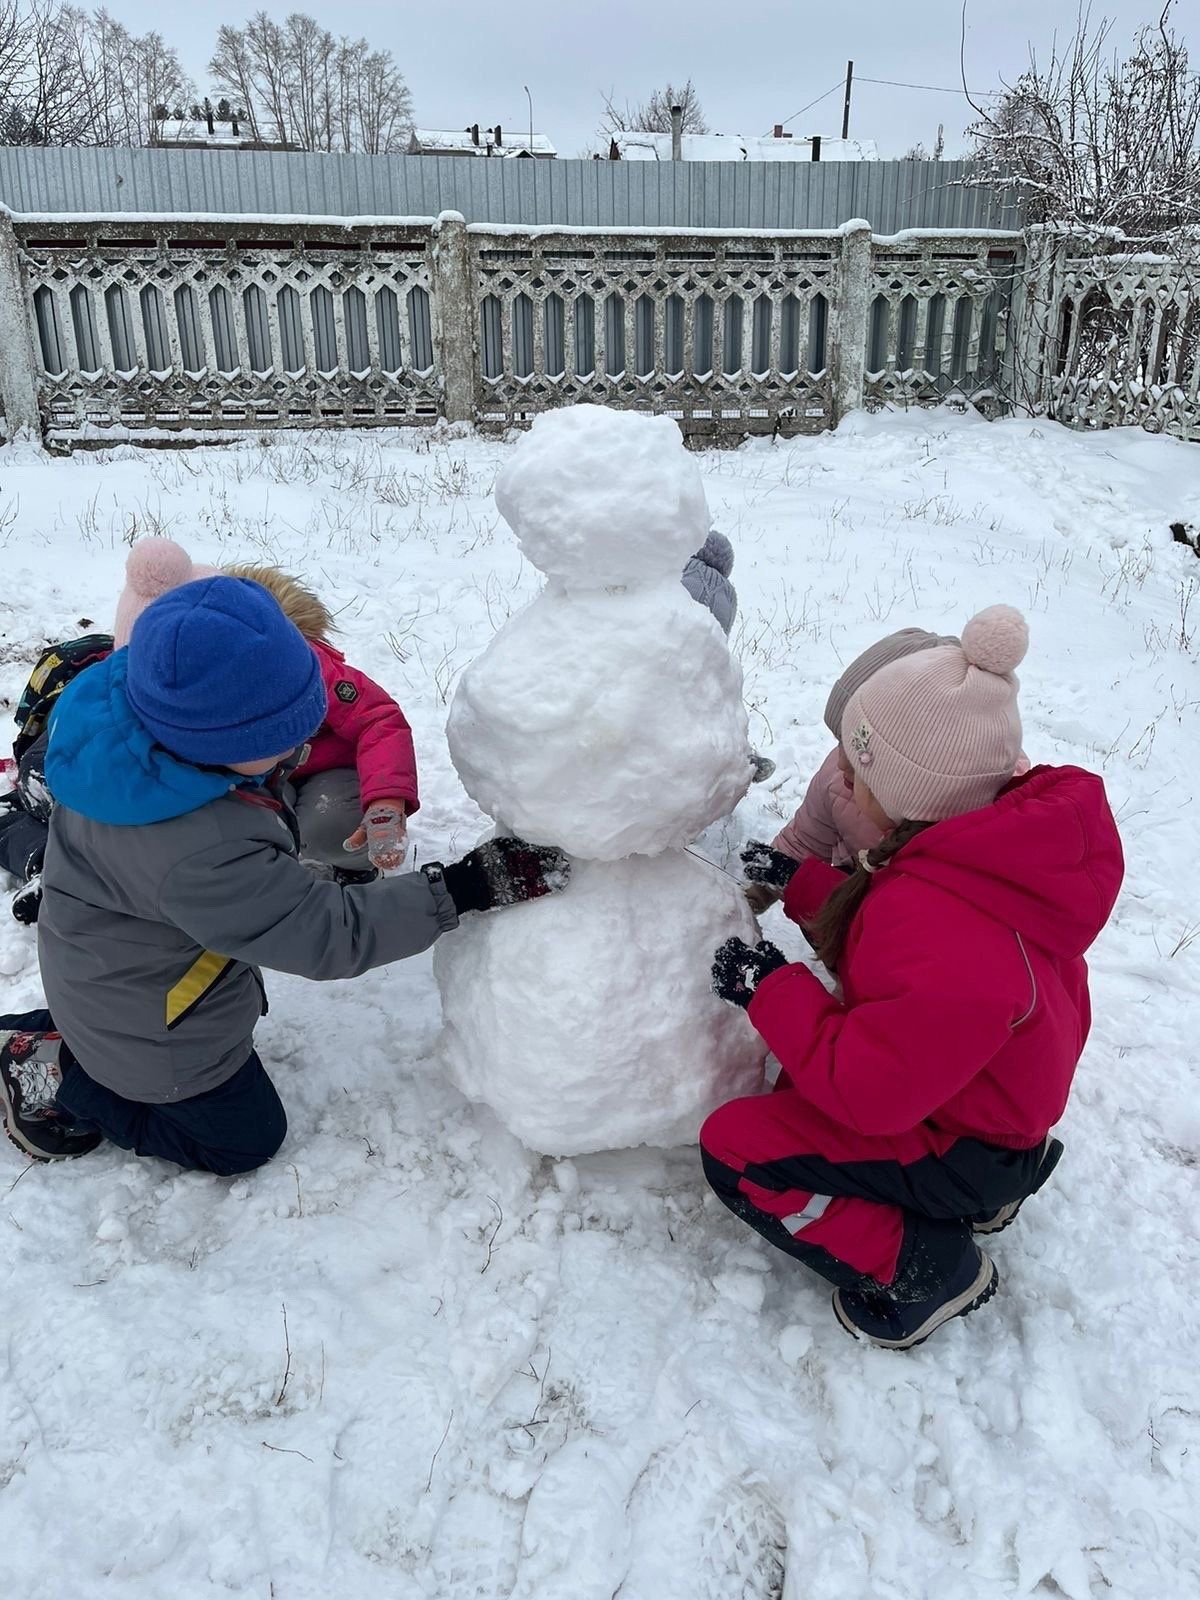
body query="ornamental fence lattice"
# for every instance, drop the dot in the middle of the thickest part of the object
(168, 329)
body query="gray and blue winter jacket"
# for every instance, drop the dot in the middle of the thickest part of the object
(168, 886)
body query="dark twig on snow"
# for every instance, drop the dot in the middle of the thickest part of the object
(287, 1369)
(281, 1451)
(438, 1451)
(299, 1196)
(491, 1243)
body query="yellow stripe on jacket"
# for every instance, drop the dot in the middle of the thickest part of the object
(204, 973)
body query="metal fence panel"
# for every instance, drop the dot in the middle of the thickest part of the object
(890, 195)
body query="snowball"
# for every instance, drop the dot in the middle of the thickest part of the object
(586, 1020)
(607, 724)
(996, 639)
(599, 498)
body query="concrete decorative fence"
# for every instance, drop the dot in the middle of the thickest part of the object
(1123, 342)
(168, 327)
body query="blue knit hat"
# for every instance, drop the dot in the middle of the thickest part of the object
(219, 675)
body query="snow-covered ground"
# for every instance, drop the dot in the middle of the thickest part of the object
(409, 1359)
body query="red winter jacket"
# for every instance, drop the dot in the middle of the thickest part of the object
(363, 728)
(964, 991)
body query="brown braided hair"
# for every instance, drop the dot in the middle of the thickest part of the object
(830, 928)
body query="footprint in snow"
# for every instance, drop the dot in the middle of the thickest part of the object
(699, 1532)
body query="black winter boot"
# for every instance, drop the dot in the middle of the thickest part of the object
(893, 1319)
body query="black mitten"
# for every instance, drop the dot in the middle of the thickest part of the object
(738, 970)
(762, 863)
(504, 872)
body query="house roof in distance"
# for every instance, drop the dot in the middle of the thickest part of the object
(193, 130)
(459, 139)
(636, 146)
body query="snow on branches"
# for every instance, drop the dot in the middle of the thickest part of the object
(1103, 145)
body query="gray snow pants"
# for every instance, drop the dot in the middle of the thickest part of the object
(328, 810)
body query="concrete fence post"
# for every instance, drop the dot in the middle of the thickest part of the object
(1037, 317)
(454, 308)
(18, 368)
(853, 316)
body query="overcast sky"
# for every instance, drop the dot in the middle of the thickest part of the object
(754, 64)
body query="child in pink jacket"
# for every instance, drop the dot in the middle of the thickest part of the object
(357, 785)
(829, 826)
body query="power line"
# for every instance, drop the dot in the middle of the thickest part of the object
(812, 103)
(935, 88)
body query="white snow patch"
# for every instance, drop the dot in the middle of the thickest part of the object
(515, 1376)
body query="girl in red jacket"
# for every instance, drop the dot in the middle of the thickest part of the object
(357, 787)
(914, 1104)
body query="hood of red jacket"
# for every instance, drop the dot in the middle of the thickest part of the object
(1045, 858)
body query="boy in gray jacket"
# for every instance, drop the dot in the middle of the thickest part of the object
(171, 878)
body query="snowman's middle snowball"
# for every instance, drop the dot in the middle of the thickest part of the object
(607, 724)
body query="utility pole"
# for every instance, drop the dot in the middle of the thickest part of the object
(846, 106)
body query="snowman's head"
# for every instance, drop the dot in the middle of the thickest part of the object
(603, 499)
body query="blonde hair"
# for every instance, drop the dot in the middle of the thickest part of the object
(298, 603)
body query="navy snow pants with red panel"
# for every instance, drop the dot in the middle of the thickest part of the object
(893, 1208)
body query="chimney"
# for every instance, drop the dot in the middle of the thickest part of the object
(778, 130)
(816, 147)
(499, 133)
(473, 130)
(208, 116)
(233, 122)
(676, 133)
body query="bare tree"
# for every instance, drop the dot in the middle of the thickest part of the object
(70, 77)
(654, 115)
(1102, 144)
(129, 80)
(301, 85)
(42, 99)
(1107, 150)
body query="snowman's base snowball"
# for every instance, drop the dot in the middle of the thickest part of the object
(607, 724)
(586, 1020)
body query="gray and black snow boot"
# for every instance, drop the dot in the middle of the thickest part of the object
(30, 1078)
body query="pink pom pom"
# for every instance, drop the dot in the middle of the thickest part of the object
(996, 640)
(156, 565)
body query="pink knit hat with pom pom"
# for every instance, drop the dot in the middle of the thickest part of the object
(938, 733)
(152, 568)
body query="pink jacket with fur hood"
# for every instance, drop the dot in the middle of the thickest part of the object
(363, 728)
(828, 825)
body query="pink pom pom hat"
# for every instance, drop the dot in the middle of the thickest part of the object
(153, 567)
(938, 733)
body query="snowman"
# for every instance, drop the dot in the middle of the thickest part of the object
(605, 718)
